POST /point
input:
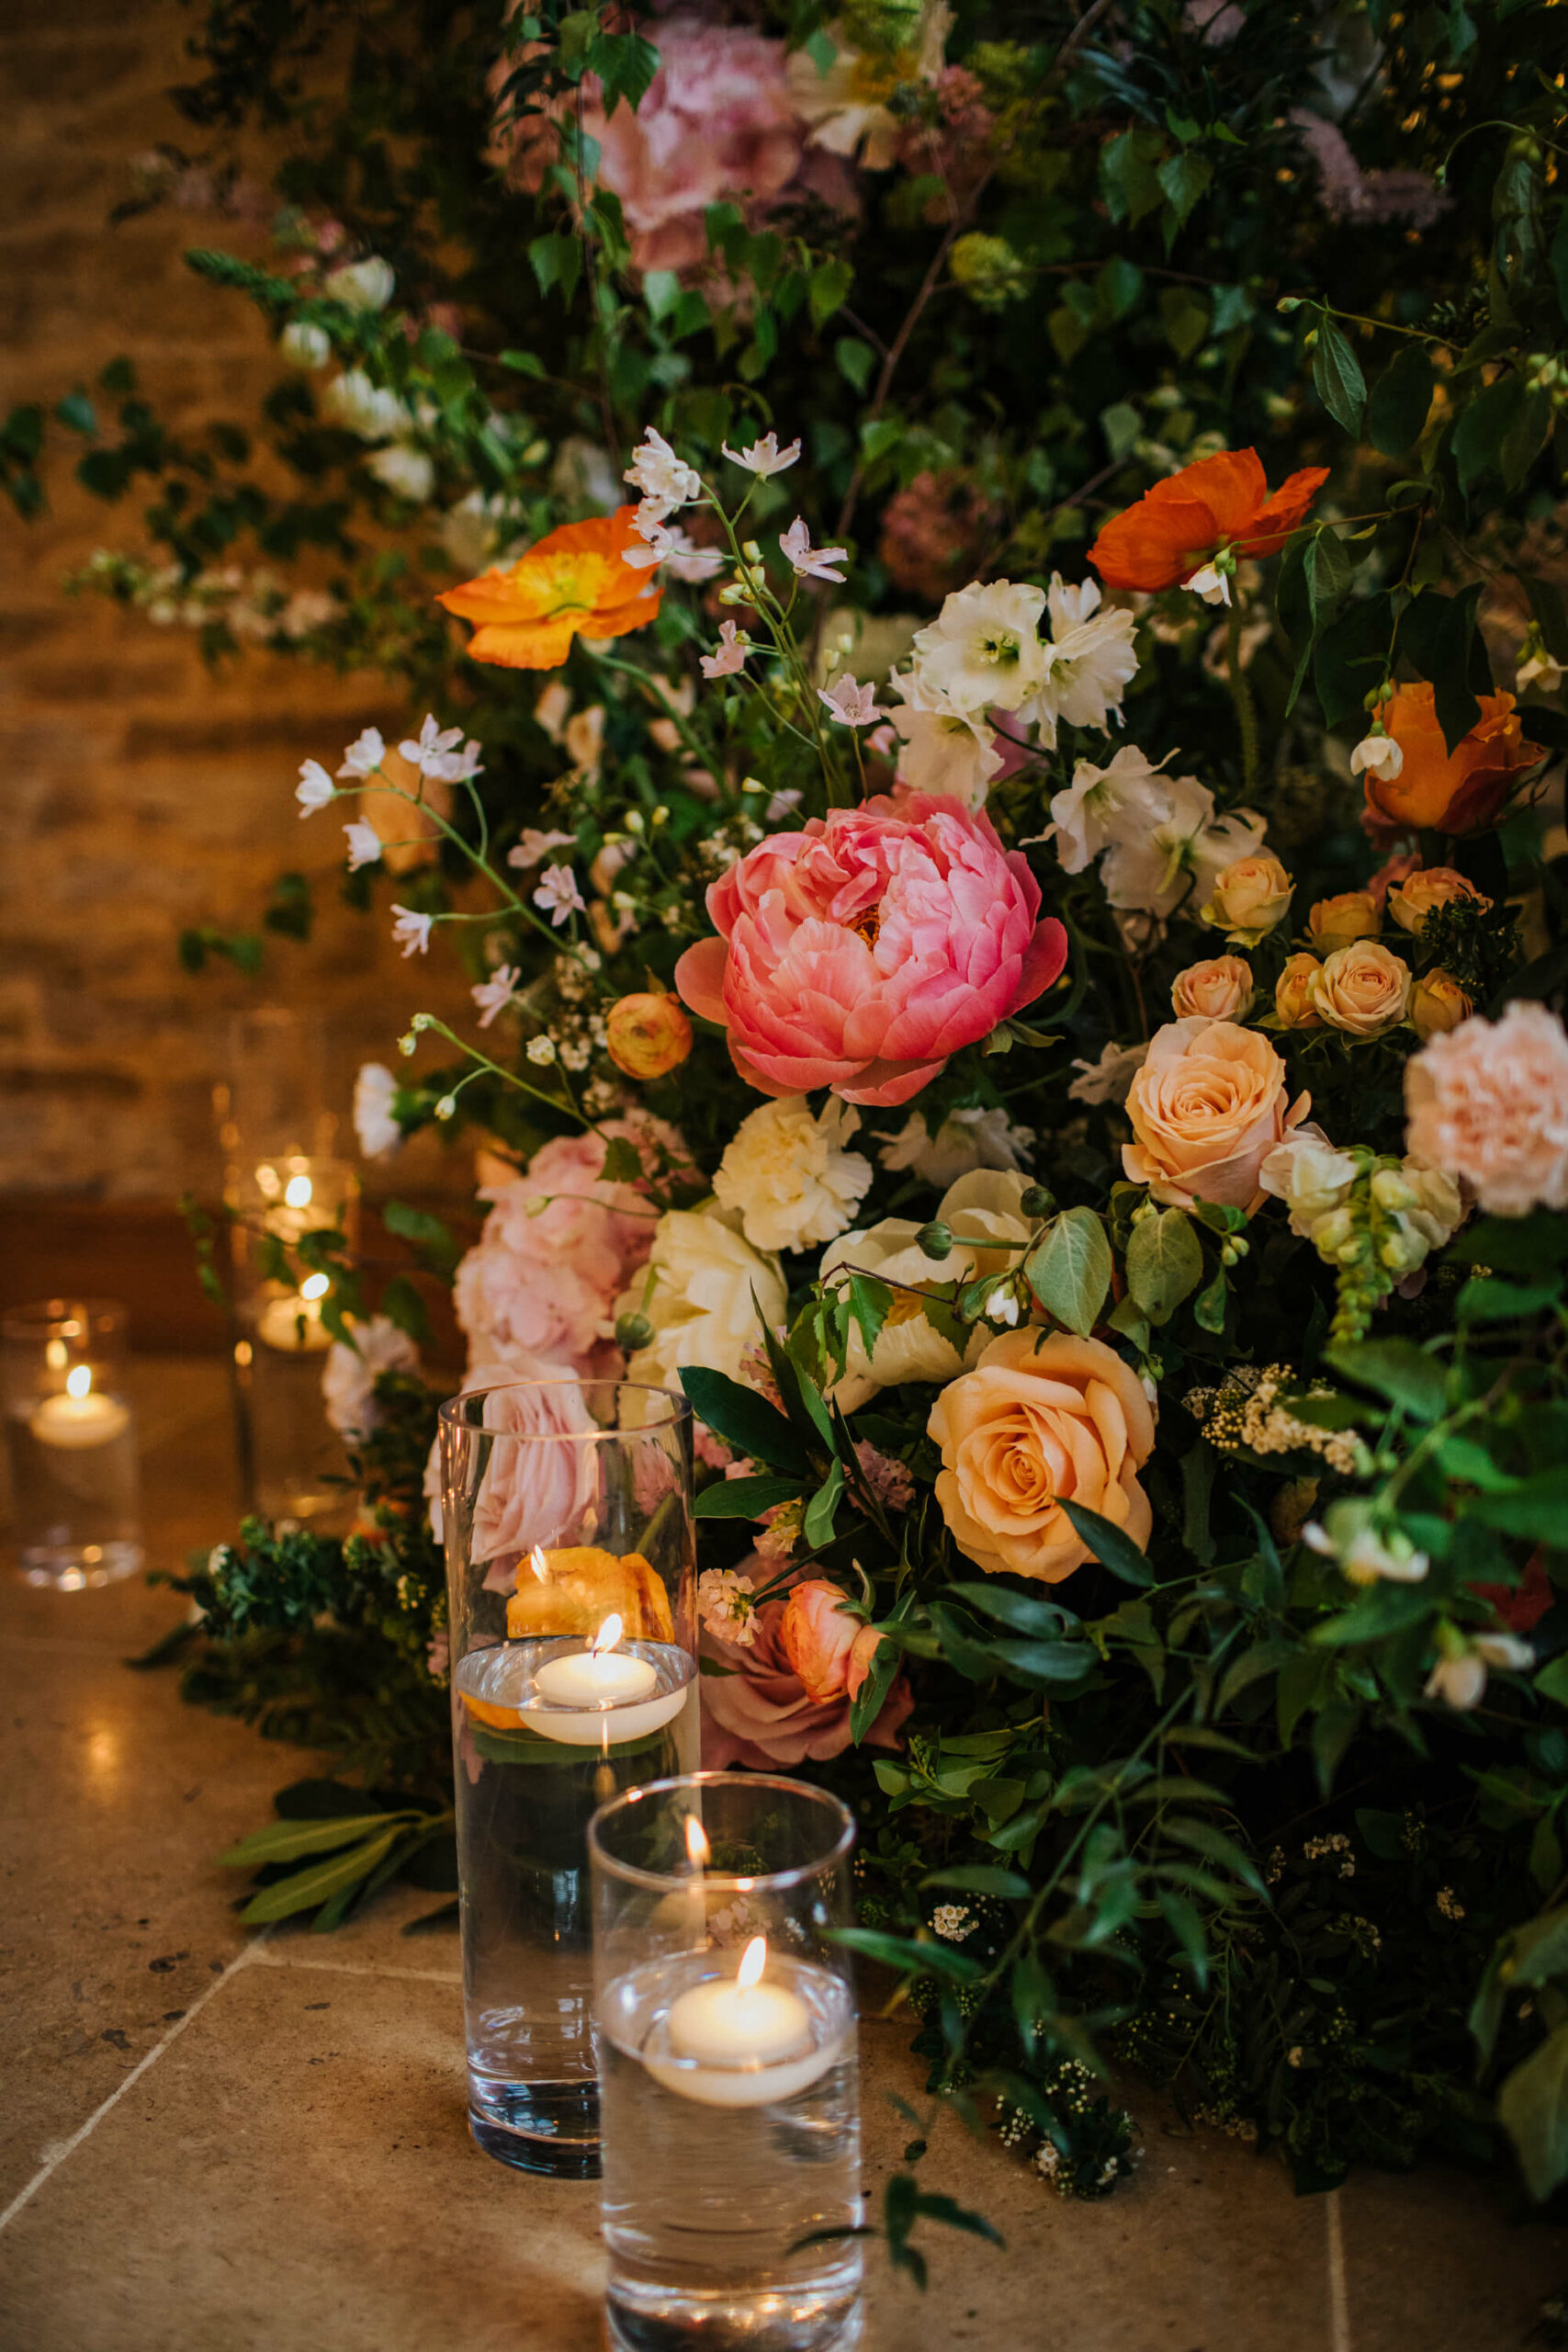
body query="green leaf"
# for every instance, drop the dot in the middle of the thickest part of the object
(931, 2205)
(830, 285)
(1514, 1245)
(1535, 1507)
(1482, 426)
(1401, 400)
(429, 1234)
(1328, 572)
(303, 1890)
(1350, 657)
(1532, 2106)
(744, 1498)
(1129, 177)
(1069, 1269)
(403, 1304)
(1539, 1951)
(524, 363)
(285, 1841)
(1165, 1262)
(1182, 179)
(856, 361)
(817, 1523)
(1020, 1613)
(1215, 1847)
(981, 1878)
(898, 1951)
(1185, 318)
(1396, 1369)
(869, 1303)
(1188, 1929)
(1209, 1307)
(1108, 1544)
(1337, 377)
(744, 1420)
(1485, 1300)
(626, 65)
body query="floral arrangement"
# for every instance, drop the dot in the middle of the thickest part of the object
(1070, 1079)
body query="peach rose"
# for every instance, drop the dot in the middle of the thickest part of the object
(648, 1036)
(1335, 923)
(1038, 1420)
(1219, 989)
(1451, 792)
(829, 1650)
(1292, 993)
(1488, 1103)
(1437, 1005)
(1251, 895)
(1207, 1108)
(1421, 892)
(1363, 990)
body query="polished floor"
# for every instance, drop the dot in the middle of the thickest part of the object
(210, 2144)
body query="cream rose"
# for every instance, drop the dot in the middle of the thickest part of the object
(1335, 923)
(1488, 1103)
(1363, 990)
(1251, 897)
(1220, 989)
(1310, 1176)
(1420, 894)
(1292, 994)
(788, 1177)
(1207, 1108)
(1037, 1420)
(697, 1292)
(1437, 1004)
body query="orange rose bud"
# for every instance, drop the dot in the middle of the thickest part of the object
(572, 582)
(1335, 923)
(1220, 501)
(1444, 791)
(648, 1036)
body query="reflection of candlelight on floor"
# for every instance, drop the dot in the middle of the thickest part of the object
(80, 1418)
(294, 1325)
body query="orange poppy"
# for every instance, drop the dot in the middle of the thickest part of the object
(1220, 501)
(571, 583)
(1440, 791)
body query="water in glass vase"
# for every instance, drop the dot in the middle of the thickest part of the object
(524, 1801)
(712, 2178)
(76, 1496)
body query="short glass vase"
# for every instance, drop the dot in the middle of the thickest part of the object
(571, 1572)
(71, 1442)
(730, 2081)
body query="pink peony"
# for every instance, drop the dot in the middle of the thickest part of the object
(860, 952)
(760, 1712)
(1488, 1103)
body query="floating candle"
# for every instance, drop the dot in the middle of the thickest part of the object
(82, 1417)
(600, 1696)
(294, 1325)
(740, 2040)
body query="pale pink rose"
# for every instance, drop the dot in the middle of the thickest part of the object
(1219, 989)
(1363, 990)
(760, 1713)
(1335, 923)
(1035, 1421)
(1292, 993)
(1430, 888)
(1438, 1003)
(1207, 1108)
(1488, 1103)
(858, 953)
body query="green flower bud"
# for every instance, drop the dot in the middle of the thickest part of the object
(1037, 1200)
(633, 1331)
(935, 1240)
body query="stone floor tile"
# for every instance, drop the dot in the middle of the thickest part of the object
(295, 2175)
(1441, 2260)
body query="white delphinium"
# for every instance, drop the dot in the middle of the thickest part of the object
(374, 1090)
(788, 1176)
(412, 930)
(361, 407)
(1162, 842)
(315, 787)
(558, 893)
(765, 457)
(806, 561)
(1366, 1552)
(664, 480)
(348, 1379)
(966, 1139)
(984, 649)
(1378, 753)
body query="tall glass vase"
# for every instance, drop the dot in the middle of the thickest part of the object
(570, 1570)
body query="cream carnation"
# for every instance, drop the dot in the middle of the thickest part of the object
(1363, 990)
(1207, 1108)
(1488, 1103)
(788, 1177)
(702, 1292)
(1220, 989)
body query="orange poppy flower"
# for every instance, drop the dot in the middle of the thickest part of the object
(1440, 791)
(1220, 501)
(571, 583)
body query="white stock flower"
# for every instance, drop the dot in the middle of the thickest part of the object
(806, 561)
(348, 1381)
(411, 932)
(699, 1284)
(664, 480)
(788, 1177)
(493, 996)
(407, 472)
(725, 1605)
(965, 1140)
(558, 893)
(363, 844)
(429, 753)
(374, 1090)
(1379, 754)
(369, 409)
(1109, 1078)
(1438, 1210)
(1310, 1176)
(984, 649)
(941, 748)
(535, 845)
(315, 787)
(852, 704)
(765, 457)
(364, 755)
(1089, 657)
(304, 345)
(361, 285)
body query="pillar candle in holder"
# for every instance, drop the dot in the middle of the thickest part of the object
(71, 1439)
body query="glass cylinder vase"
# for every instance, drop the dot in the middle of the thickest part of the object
(70, 1440)
(729, 2074)
(570, 1570)
(293, 1469)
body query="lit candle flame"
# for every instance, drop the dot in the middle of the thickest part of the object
(697, 1847)
(296, 1192)
(315, 1286)
(78, 1381)
(753, 1960)
(539, 1565)
(609, 1634)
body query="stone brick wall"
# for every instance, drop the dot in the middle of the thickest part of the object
(141, 793)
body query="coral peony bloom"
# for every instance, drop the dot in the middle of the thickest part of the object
(761, 1713)
(572, 582)
(1488, 1103)
(860, 952)
(1220, 501)
(1040, 1419)
(829, 1650)
(1220, 989)
(647, 1035)
(1207, 1108)
(1447, 792)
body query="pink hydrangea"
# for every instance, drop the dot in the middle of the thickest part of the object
(860, 952)
(1488, 1103)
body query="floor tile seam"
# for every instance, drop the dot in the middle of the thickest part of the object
(362, 1968)
(61, 2153)
(1339, 2338)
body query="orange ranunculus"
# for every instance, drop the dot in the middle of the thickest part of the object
(1221, 502)
(1444, 791)
(571, 583)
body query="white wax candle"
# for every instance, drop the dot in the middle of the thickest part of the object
(75, 1422)
(592, 1677)
(728, 2043)
(294, 1325)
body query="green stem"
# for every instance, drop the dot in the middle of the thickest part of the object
(1241, 697)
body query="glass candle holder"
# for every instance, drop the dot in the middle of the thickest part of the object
(728, 2076)
(71, 1439)
(292, 1465)
(570, 1570)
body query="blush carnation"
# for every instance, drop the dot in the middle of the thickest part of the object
(1488, 1103)
(858, 953)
